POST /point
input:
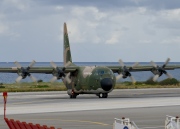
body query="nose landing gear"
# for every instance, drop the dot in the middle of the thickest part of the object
(102, 95)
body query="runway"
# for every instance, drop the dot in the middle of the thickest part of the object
(147, 107)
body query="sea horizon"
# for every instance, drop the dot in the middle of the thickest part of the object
(139, 76)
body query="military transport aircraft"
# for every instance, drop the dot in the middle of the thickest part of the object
(99, 80)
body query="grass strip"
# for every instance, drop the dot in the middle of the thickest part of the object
(59, 86)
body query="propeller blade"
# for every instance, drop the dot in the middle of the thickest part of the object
(169, 75)
(135, 64)
(132, 79)
(17, 64)
(32, 63)
(67, 64)
(53, 64)
(63, 79)
(167, 61)
(18, 79)
(153, 64)
(155, 77)
(121, 62)
(67, 78)
(53, 79)
(33, 78)
(119, 77)
(150, 78)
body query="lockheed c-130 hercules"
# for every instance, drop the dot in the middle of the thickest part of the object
(99, 80)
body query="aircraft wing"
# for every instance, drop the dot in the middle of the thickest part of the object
(46, 70)
(115, 69)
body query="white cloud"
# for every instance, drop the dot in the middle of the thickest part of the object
(114, 38)
(167, 19)
(93, 27)
(83, 24)
(59, 8)
(172, 15)
(74, 30)
(2, 16)
(145, 41)
(137, 1)
(18, 4)
(90, 12)
(3, 29)
(174, 41)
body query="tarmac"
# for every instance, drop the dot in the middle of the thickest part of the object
(146, 107)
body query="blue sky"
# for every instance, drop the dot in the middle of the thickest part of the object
(99, 30)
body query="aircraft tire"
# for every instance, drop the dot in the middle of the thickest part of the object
(100, 95)
(73, 96)
(103, 95)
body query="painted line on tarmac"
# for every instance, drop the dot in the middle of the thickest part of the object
(154, 127)
(31, 102)
(80, 121)
(92, 122)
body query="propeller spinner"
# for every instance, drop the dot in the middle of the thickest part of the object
(125, 72)
(23, 72)
(159, 70)
(60, 73)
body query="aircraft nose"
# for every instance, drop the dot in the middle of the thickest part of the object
(106, 84)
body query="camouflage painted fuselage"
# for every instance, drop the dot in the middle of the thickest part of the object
(87, 79)
(92, 80)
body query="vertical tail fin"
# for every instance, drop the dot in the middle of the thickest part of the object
(67, 50)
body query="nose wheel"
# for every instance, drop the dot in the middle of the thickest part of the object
(103, 95)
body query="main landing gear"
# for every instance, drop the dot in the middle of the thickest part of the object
(102, 95)
(73, 96)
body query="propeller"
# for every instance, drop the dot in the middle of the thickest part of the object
(159, 70)
(23, 72)
(125, 72)
(60, 73)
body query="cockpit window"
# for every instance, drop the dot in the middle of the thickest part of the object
(100, 72)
